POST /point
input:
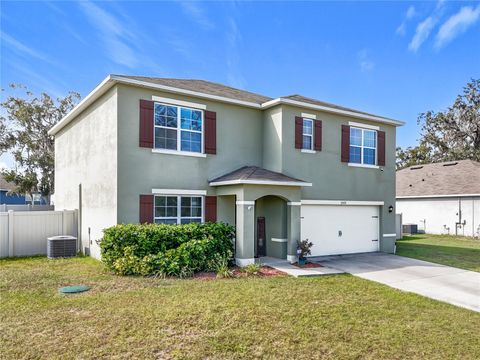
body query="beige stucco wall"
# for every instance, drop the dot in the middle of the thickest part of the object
(86, 154)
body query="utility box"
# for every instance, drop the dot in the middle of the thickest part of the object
(61, 246)
(410, 228)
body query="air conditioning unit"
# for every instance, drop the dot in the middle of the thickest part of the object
(61, 246)
(410, 228)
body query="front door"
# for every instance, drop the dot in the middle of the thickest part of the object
(261, 246)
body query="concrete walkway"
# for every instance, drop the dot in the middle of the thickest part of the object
(448, 284)
(286, 267)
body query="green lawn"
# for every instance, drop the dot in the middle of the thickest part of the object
(461, 252)
(333, 317)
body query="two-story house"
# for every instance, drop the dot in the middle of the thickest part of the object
(140, 149)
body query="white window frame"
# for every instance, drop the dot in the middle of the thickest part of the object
(311, 135)
(179, 208)
(362, 147)
(179, 131)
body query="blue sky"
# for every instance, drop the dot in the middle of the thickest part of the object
(395, 59)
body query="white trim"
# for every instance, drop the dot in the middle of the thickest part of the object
(334, 110)
(244, 262)
(342, 202)
(241, 202)
(308, 151)
(292, 258)
(181, 153)
(389, 235)
(260, 182)
(294, 203)
(168, 101)
(179, 208)
(179, 192)
(364, 165)
(111, 80)
(309, 116)
(365, 126)
(279, 240)
(436, 196)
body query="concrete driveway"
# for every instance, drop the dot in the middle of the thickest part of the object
(452, 285)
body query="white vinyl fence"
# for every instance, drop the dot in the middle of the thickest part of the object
(24, 233)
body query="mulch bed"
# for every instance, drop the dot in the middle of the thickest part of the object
(265, 271)
(308, 265)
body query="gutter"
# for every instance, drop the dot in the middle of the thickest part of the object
(435, 196)
(111, 80)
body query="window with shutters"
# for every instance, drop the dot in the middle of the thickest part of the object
(178, 209)
(363, 146)
(307, 134)
(178, 128)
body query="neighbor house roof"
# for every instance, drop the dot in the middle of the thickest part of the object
(5, 185)
(256, 175)
(440, 179)
(216, 92)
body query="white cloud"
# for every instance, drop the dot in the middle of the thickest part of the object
(23, 49)
(366, 64)
(198, 14)
(457, 24)
(117, 38)
(422, 33)
(409, 14)
(234, 73)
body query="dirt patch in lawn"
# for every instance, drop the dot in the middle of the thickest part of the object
(265, 271)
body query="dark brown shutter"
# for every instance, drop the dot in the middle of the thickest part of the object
(318, 135)
(146, 123)
(298, 132)
(211, 208)
(345, 143)
(381, 148)
(146, 209)
(210, 132)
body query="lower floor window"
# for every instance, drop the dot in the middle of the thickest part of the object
(178, 209)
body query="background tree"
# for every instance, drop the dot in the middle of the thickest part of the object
(453, 134)
(24, 126)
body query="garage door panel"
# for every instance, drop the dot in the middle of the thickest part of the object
(340, 229)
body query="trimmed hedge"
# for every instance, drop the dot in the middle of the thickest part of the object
(166, 250)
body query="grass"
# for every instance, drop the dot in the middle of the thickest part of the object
(457, 251)
(332, 317)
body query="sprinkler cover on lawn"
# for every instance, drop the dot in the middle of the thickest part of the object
(74, 289)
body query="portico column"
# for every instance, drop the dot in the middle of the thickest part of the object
(293, 230)
(245, 233)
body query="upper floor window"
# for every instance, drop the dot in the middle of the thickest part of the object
(307, 134)
(178, 128)
(363, 146)
(178, 209)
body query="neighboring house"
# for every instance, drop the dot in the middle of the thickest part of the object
(141, 149)
(441, 198)
(6, 197)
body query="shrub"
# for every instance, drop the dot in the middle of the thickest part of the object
(166, 250)
(252, 269)
(223, 269)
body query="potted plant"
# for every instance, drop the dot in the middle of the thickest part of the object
(303, 249)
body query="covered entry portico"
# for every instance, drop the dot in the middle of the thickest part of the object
(266, 212)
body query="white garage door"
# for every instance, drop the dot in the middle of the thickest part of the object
(340, 229)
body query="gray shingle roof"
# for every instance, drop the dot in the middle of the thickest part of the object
(307, 100)
(446, 178)
(206, 87)
(255, 173)
(4, 185)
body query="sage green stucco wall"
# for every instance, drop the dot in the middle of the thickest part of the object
(239, 143)
(332, 179)
(274, 209)
(86, 153)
